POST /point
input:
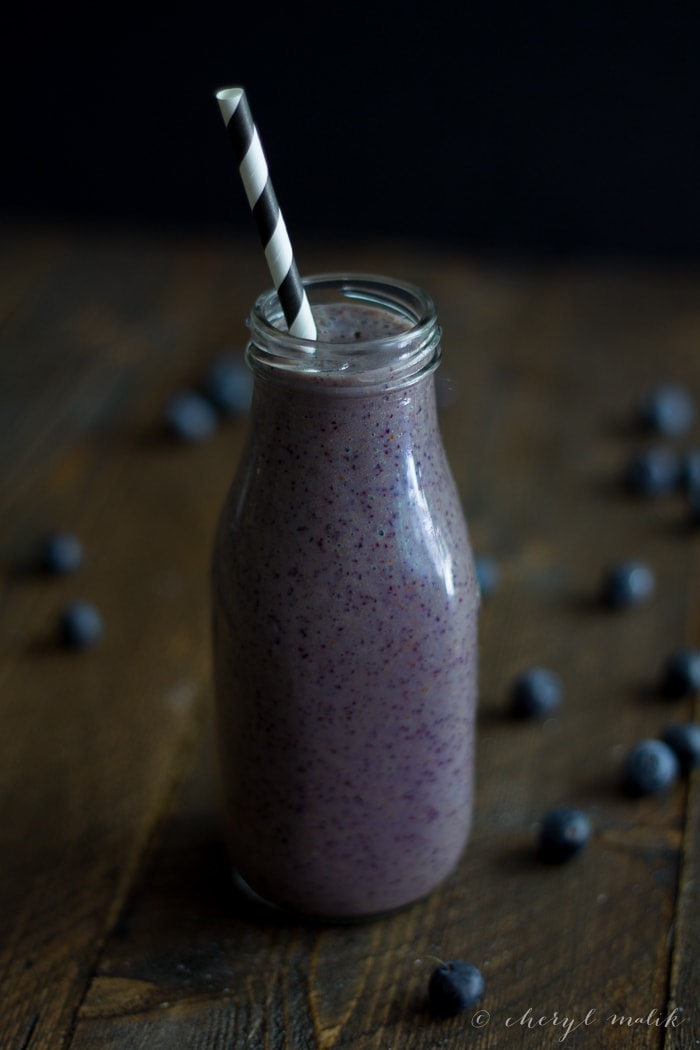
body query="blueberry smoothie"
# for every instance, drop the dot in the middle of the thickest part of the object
(345, 620)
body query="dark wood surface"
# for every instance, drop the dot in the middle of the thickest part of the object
(118, 923)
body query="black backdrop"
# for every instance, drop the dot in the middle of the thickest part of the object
(504, 126)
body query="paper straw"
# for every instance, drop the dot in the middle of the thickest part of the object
(266, 212)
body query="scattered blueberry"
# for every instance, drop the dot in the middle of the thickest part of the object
(650, 767)
(680, 675)
(628, 583)
(668, 410)
(229, 385)
(684, 740)
(653, 472)
(62, 554)
(535, 693)
(455, 987)
(563, 833)
(80, 625)
(190, 417)
(487, 574)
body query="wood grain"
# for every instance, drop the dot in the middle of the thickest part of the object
(119, 925)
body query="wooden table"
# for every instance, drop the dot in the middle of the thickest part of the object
(118, 923)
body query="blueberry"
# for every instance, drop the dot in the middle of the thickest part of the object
(650, 767)
(80, 625)
(680, 675)
(653, 472)
(229, 385)
(487, 574)
(628, 583)
(62, 554)
(190, 417)
(563, 833)
(454, 987)
(535, 693)
(668, 410)
(684, 740)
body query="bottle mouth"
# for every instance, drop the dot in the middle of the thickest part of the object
(398, 345)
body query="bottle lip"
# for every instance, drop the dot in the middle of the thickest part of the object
(393, 360)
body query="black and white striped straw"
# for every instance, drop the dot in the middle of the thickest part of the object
(266, 212)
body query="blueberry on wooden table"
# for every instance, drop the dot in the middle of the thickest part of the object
(454, 987)
(653, 472)
(684, 740)
(668, 409)
(628, 583)
(62, 554)
(80, 625)
(535, 693)
(190, 417)
(563, 833)
(487, 575)
(680, 675)
(650, 767)
(228, 384)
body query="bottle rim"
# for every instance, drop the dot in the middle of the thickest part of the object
(393, 360)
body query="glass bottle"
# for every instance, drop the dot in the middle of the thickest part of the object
(345, 613)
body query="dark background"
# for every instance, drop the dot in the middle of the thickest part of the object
(503, 127)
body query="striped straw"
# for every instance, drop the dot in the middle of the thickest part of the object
(268, 218)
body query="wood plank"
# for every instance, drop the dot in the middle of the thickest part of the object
(96, 740)
(685, 973)
(594, 936)
(119, 926)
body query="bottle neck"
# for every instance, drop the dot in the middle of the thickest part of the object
(374, 335)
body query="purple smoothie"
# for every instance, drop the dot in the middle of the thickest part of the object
(345, 638)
